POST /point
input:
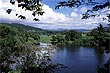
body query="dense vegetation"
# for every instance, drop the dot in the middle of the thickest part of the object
(29, 28)
(18, 48)
(96, 37)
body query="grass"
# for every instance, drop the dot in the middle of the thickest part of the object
(87, 37)
(45, 39)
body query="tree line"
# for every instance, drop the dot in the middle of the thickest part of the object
(96, 37)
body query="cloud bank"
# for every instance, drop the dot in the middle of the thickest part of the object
(50, 20)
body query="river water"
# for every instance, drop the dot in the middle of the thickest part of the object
(79, 59)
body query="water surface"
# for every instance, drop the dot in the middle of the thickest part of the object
(79, 59)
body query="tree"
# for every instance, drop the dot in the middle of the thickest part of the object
(71, 35)
(20, 50)
(8, 46)
(100, 37)
(31, 5)
(36, 7)
(58, 39)
(90, 13)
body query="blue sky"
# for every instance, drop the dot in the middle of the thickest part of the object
(64, 10)
(63, 18)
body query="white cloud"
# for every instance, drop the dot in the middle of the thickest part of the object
(50, 19)
(15, 9)
(51, 16)
(83, 9)
(73, 14)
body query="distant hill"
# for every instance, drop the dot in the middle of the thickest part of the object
(30, 28)
(39, 30)
(78, 30)
(26, 27)
(82, 30)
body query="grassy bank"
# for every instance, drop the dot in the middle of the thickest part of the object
(46, 39)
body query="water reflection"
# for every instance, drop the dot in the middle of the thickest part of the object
(79, 59)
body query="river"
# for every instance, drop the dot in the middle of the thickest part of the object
(79, 59)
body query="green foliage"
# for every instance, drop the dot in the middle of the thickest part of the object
(66, 37)
(54, 39)
(96, 37)
(72, 35)
(19, 47)
(9, 45)
(100, 35)
(58, 39)
(46, 39)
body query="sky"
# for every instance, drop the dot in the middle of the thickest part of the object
(63, 18)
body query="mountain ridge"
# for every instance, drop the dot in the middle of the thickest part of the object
(27, 27)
